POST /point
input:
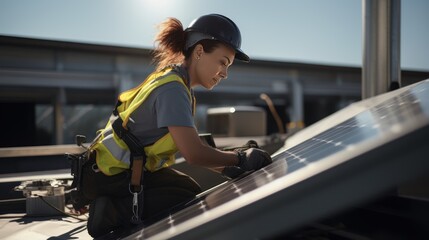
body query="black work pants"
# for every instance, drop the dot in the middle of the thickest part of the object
(163, 190)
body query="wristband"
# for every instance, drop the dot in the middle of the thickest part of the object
(241, 158)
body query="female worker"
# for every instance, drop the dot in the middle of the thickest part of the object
(158, 115)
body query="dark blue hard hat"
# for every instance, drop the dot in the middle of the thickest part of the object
(216, 27)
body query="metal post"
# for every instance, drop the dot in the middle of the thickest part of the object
(381, 69)
(59, 104)
(297, 111)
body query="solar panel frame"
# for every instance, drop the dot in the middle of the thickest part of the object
(335, 180)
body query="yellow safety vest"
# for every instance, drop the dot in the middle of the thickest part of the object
(113, 155)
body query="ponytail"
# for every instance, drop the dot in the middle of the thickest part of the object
(170, 43)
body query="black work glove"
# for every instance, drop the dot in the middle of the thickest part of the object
(232, 172)
(250, 159)
(253, 159)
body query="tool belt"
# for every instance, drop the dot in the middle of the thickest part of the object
(77, 161)
(90, 182)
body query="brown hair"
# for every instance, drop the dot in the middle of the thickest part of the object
(171, 41)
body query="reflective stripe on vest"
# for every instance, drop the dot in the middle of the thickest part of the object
(113, 155)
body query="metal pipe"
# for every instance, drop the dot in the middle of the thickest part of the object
(381, 69)
(297, 98)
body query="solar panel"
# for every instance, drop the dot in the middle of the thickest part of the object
(345, 159)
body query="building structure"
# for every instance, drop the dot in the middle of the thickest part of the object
(57, 89)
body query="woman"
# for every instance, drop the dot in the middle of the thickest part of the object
(158, 115)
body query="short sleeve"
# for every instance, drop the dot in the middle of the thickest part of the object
(173, 106)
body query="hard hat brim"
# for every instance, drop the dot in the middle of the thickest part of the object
(240, 55)
(195, 37)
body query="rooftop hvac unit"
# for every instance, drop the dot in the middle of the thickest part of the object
(237, 121)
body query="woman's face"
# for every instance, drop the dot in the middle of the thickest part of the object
(211, 68)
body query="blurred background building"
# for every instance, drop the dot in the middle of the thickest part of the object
(52, 90)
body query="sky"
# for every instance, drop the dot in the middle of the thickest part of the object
(306, 31)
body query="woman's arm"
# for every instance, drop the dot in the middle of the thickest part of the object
(196, 152)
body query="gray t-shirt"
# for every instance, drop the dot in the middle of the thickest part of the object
(168, 105)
